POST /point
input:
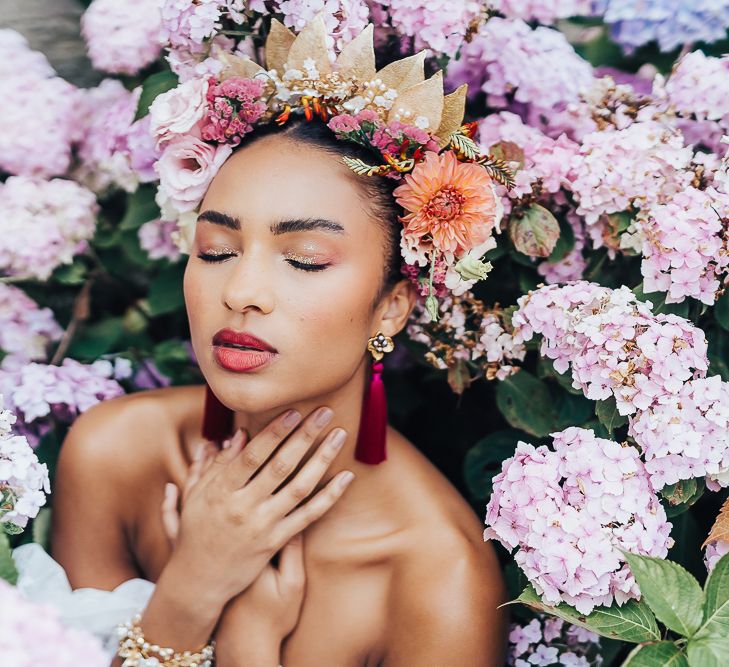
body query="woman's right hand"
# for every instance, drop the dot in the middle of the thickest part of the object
(232, 522)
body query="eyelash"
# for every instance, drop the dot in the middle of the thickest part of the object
(302, 266)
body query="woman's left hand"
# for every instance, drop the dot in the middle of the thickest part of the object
(253, 623)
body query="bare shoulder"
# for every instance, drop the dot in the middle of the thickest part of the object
(106, 462)
(447, 583)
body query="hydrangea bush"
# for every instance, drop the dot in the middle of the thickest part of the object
(578, 396)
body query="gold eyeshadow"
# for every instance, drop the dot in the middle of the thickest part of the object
(301, 259)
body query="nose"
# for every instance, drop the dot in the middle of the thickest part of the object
(249, 285)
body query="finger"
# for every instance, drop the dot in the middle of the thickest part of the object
(199, 463)
(313, 509)
(289, 455)
(291, 572)
(170, 515)
(304, 482)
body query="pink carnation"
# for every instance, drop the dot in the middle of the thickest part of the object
(234, 106)
(178, 111)
(186, 169)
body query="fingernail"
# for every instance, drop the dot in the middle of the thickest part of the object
(291, 418)
(323, 416)
(226, 444)
(345, 479)
(337, 439)
(199, 451)
(169, 489)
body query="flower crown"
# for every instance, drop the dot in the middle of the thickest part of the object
(414, 132)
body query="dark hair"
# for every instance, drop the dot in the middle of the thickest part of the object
(377, 189)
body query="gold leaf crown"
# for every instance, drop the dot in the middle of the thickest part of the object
(300, 68)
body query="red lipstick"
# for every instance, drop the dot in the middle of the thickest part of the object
(241, 352)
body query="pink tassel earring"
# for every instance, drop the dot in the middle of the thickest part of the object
(371, 439)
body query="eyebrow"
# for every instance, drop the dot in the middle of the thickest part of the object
(281, 227)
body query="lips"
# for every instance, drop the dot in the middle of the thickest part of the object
(241, 352)
(241, 339)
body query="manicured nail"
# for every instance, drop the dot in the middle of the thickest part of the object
(227, 443)
(169, 489)
(345, 479)
(337, 439)
(323, 417)
(292, 418)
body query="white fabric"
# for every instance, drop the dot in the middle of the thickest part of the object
(41, 579)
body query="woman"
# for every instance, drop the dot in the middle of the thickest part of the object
(294, 267)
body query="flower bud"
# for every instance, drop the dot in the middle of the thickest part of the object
(470, 268)
(431, 307)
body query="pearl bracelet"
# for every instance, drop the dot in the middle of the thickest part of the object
(138, 652)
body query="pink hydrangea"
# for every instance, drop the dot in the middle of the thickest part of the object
(344, 19)
(713, 553)
(438, 25)
(156, 239)
(32, 635)
(187, 25)
(512, 62)
(34, 98)
(686, 434)
(639, 166)
(116, 150)
(545, 160)
(35, 392)
(684, 245)
(122, 38)
(551, 641)
(568, 512)
(234, 106)
(43, 224)
(26, 330)
(543, 11)
(24, 481)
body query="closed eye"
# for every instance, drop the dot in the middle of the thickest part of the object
(218, 257)
(306, 266)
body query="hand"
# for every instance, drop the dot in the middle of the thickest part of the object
(232, 522)
(255, 621)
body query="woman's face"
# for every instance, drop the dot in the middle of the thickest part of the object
(284, 251)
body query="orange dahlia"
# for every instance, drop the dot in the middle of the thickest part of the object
(451, 202)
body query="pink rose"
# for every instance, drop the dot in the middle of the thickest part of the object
(178, 110)
(186, 168)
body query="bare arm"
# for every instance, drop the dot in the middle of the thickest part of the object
(88, 538)
(446, 614)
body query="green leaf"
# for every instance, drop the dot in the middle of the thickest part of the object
(707, 651)
(721, 311)
(565, 243)
(673, 594)
(535, 233)
(70, 274)
(718, 352)
(716, 606)
(607, 413)
(8, 570)
(154, 85)
(526, 403)
(165, 293)
(96, 339)
(661, 654)
(632, 622)
(572, 410)
(141, 208)
(42, 528)
(681, 495)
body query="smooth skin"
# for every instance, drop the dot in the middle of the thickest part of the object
(396, 572)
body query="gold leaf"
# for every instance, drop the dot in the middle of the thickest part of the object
(278, 43)
(454, 107)
(464, 145)
(238, 66)
(310, 43)
(404, 73)
(357, 58)
(361, 168)
(422, 99)
(720, 529)
(498, 170)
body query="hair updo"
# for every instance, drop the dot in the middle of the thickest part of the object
(378, 189)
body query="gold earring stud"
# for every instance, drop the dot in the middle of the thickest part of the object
(379, 345)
